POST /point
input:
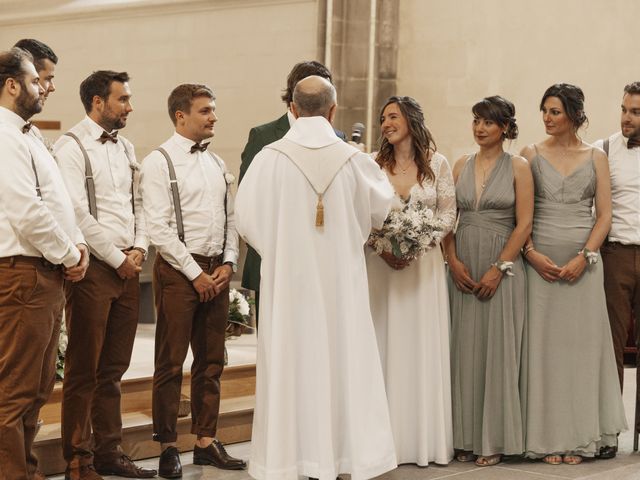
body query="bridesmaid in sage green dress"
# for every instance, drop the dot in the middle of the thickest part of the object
(574, 405)
(494, 192)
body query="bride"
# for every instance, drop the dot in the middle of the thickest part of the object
(409, 300)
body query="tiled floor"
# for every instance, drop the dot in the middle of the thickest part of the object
(626, 466)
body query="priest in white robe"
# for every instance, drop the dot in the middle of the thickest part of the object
(307, 204)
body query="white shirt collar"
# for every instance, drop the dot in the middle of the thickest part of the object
(185, 143)
(11, 117)
(312, 132)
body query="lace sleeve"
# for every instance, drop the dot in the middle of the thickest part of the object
(446, 197)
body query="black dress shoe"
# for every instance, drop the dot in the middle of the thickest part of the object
(216, 455)
(123, 467)
(170, 466)
(607, 452)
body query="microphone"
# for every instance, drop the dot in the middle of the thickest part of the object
(356, 132)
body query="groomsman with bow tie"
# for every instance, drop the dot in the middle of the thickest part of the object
(99, 169)
(189, 213)
(40, 247)
(621, 251)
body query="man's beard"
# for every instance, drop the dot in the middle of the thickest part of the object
(635, 133)
(112, 122)
(27, 106)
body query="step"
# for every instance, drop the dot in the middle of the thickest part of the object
(236, 381)
(234, 426)
(234, 423)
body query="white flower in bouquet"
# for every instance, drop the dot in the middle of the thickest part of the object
(407, 232)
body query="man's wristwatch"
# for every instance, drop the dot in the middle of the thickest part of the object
(234, 267)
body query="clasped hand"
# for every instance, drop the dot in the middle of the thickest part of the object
(551, 272)
(208, 286)
(77, 272)
(484, 289)
(394, 262)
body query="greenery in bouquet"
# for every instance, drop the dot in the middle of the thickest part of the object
(407, 232)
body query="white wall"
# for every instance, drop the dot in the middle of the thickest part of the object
(243, 49)
(452, 53)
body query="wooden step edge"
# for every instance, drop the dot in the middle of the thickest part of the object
(137, 384)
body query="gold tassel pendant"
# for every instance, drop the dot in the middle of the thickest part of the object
(319, 213)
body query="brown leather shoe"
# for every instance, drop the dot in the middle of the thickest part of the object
(170, 466)
(216, 455)
(82, 472)
(123, 467)
(38, 475)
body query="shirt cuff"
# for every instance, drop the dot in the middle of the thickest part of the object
(72, 258)
(230, 257)
(192, 270)
(115, 258)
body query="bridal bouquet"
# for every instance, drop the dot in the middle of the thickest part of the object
(407, 232)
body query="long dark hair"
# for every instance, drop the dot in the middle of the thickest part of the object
(423, 144)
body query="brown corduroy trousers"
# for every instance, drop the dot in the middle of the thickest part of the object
(31, 302)
(182, 321)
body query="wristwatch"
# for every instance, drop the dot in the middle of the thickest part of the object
(234, 267)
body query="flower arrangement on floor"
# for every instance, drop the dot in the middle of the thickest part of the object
(63, 339)
(238, 321)
(408, 231)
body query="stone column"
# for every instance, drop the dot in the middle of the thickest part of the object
(349, 62)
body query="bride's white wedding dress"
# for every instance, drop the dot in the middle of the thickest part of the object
(410, 309)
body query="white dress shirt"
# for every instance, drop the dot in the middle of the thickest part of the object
(202, 186)
(116, 228)
(624, 166)
(29, 225)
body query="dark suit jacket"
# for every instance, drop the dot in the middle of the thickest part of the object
(259, 137)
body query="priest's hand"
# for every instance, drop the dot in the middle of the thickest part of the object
(77, 272)
(393, 261)
(222, 276)
(205, 286)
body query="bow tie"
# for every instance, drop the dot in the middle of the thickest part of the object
(27, 126)
(633, 142)
(196, 147)
(108, 136)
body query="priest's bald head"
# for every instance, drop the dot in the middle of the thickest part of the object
(314, 96)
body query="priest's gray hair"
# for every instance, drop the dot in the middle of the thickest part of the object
(314, 96)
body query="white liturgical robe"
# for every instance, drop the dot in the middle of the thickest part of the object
(321, 407)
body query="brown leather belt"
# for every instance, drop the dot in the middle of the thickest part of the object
(211, 261)
(36, 261)
(622, 245)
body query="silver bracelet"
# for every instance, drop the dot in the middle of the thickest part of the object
(504, 266)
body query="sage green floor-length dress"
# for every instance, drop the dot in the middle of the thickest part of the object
(487, 335)
(574, 404)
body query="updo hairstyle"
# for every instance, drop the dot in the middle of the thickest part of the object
(499, 110)
(572, 99)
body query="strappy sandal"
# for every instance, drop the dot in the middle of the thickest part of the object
(553, 459)
(572, 459)
(465, 457)
(489, 461)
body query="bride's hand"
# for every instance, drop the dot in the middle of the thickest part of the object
(461, 276)
(393, 261)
